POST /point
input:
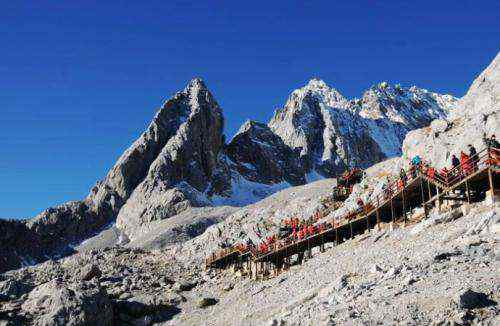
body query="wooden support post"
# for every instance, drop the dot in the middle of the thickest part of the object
(429, 190)
(350, 228)
(392, 210)
(404, 204)
(492, 186)
(438, 199)
(423, 196)
(336, 236)
(467, 190)
(378, 213)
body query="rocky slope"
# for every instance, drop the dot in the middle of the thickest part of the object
(439, 271)
(477, 115)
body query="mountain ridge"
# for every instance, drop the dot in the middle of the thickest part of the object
(182, 160)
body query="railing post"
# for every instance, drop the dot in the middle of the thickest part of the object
(404, 204)
(423, 196)
(492, 186)
(392, 210)
(467, 190)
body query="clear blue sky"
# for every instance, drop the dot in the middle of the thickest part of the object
(80, 80)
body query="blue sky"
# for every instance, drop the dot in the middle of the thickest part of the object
(80, 80)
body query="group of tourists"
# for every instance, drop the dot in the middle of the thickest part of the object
(461, 166)
(295, 229)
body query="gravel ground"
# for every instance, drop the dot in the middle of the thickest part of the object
(411, 275)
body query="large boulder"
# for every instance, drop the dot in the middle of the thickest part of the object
(59, 303)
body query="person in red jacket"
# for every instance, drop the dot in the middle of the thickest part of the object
(311, 229)
(445, 174)
(465, 163)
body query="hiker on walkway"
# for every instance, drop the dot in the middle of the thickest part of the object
(416, 160)
(415, 165)
(473, 157)
(311, 230)
(494, 149)
(360, 204)
(403, 177)
(455, 163)
(431, 172)
(491, 142)
(465, 163)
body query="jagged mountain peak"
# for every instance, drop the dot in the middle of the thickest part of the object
(317, 90)
(196, 83)
(413, 105)
(249, 124)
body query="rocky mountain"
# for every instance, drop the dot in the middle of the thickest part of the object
(332, 134)
(182, 161)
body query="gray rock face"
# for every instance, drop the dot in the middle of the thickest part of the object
(187, 169)
(56, 303)
(11, 289)
(260, 156)
(332, 133)
(19, 245)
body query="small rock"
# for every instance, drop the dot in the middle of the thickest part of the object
(409, 280)
(375, 269)
(183, 286)
(89, 272)
(174, 299)
(446, 255)
(125, 296)
(469, 299)
(341, 282)
(276, 322)
(393, 271)
(227, 287)
(206, 302)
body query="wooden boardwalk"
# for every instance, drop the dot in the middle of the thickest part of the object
(422, 189)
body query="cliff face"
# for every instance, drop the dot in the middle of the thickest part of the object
(188, 168)
(332, 133)
(261, 156)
